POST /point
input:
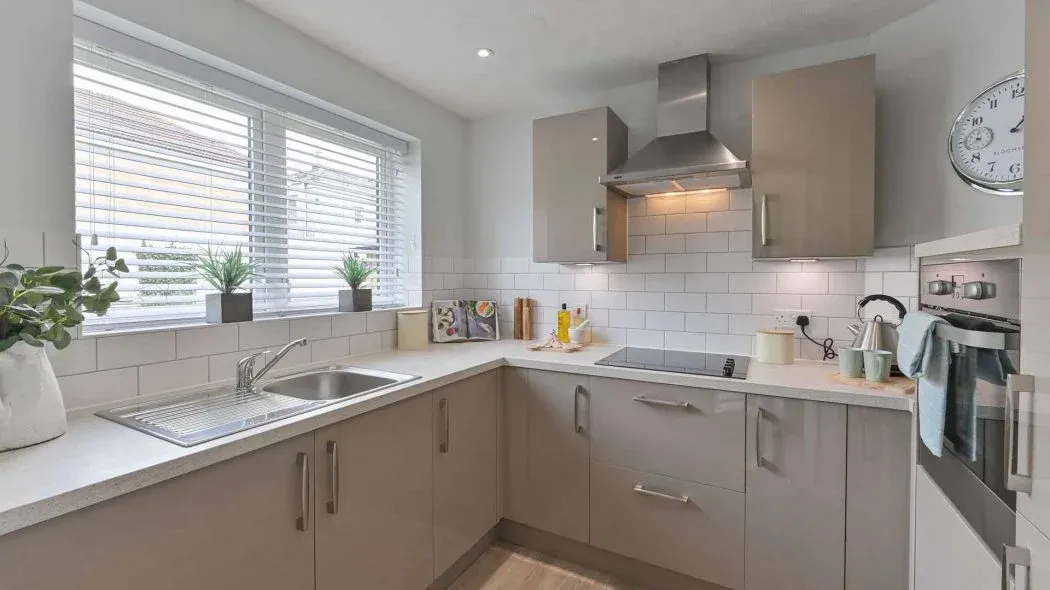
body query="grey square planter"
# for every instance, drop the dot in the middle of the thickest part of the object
(355, 300)
(226, 308)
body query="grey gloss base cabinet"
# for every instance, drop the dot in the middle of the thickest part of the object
(740, 491)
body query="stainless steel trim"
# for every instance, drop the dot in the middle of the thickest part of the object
(764, 221)
(443, 406)
(661, 402)
(594, 229)
(639, 488)
(1015, 384)
(980, 339)
(1012, 557)
(333, 473)
(302, 522)
(760, 461)
(577, 392)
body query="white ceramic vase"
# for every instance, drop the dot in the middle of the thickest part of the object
(31, 408)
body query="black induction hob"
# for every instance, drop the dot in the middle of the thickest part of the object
(679, 361)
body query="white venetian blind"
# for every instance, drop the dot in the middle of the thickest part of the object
(167, 166)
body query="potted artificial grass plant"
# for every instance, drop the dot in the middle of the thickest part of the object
(355, 270)
(38, 306)
(227, 271)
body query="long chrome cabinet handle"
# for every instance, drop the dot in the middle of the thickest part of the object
(661, 402)
(576, 394)
(1015, 384)
(639, 488)
(1011, 557)
(443, 406)
(333, 472)
(303, 521)
(594, 229)
(760, 460)
(764, 220)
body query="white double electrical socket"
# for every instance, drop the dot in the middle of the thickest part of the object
(785, 319)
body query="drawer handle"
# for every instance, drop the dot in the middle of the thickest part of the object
(661, 402)
(303, 521)
(576, 394)
(443, 406)
(760, 460)
(333, 472)
(639, 488)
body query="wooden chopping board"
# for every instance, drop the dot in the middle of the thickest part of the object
(901, 385)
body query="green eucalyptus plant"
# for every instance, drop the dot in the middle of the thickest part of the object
(39, 305)
(355, 269)
(226, 270)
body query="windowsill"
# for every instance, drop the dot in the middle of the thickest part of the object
(272, 317)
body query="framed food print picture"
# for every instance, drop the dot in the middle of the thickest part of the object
(462, 320)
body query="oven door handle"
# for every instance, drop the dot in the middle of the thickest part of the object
(1015, 384)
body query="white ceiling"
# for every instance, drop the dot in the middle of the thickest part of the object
(546, 49)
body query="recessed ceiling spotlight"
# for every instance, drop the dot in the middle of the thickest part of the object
(484, 52)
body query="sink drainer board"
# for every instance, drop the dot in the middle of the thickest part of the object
(198, 418)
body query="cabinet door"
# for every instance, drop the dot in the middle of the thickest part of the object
(547, 452)
(379, 531)
(813, 161)
(796, 494)
(232, 525)
(465, 486)
(569, 153)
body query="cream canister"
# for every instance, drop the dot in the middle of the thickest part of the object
(412, 329)
(775, 347)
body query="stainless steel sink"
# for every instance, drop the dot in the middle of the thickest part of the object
(334, 384)
(193, 419)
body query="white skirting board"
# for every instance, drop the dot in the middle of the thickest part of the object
(977, 242)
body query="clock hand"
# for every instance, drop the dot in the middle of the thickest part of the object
(1019, 125)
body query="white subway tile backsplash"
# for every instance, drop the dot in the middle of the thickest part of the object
(645, 301)
(451, 281)
(610, 335)
(346, 324)
(664, 205)
(687, 223)
(598, 317)
(194, 342)
(815, 283)
(645, 263)
(635, 245)
(729, 344)
(831, 306)
(592, 282)
(708, 242)
(749, 324)
(609, 300)
(753, 282)
(626, 282)
(767, 304)
(501, 281)
(173, 375)
(830, 266)
(710, 323)
(636, 207)
(262, 334)
(90, 389)
(463, 265)
(739, 241)
(442, 264)
(645, 338)
(575, 298)
(706, 202)
(621, 318)
(707, 282)
(310, 328)
(665, 320)
(432, 281)
(686, 263)
(694, 302)
(846, 283)
(690, 341)
(900, 284)
(514, 265)
(776, 266)
(888, 259)
(487, 265)
(546, 298)
(379, 321)
(329, 349)
(79, 357)
(665, 244)
(740, 199)
(729, 262)
(528, 281)
(728, 303)
(872, 282)
(646, 226)
(131, 350)
(665, 282)
(729, 221)
(475, 281)
(366, 343)
(544, 267)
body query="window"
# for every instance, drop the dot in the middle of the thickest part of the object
(167, 166)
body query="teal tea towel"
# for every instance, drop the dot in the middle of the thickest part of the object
(922, 355)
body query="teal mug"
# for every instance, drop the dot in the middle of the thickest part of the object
(877, 365)
(851, 362)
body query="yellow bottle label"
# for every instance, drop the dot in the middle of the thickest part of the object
(563, 325)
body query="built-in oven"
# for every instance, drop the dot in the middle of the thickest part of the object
(981, 302)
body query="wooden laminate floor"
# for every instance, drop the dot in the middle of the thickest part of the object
(509, 567)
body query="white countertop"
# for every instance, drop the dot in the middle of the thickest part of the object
(97, 460)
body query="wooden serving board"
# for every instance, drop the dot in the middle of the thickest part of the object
(901, 385)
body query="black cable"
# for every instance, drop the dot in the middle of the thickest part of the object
(828, 346)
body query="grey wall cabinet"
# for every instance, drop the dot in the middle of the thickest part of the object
(375, 512)
(466, 492)
(796, 495)
(813, 161)
(232, 525)
(575, 219)
(547, 482)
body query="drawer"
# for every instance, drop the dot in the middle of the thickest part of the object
(682, 432)
(690, 528)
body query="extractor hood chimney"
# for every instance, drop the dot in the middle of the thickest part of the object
(684, 156)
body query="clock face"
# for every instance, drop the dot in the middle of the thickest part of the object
(987, 139)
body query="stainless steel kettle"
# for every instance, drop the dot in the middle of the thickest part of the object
(877, 333)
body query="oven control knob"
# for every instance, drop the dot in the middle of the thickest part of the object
(940, 287)
(978, 290)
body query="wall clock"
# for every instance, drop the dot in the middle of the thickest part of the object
(986, 145)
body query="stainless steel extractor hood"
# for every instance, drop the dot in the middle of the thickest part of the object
(684, 156)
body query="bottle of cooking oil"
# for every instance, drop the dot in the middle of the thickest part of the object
(564, 319)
